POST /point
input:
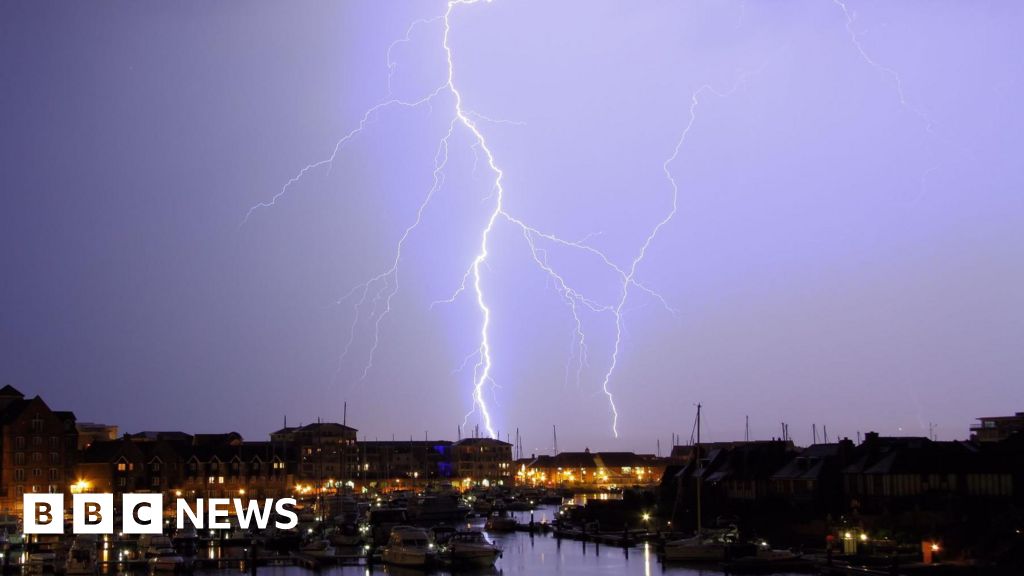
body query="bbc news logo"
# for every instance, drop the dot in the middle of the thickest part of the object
(143, 513)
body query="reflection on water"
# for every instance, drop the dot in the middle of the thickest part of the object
(539, 554)
(582, 499)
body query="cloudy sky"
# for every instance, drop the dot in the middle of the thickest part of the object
(847, 247)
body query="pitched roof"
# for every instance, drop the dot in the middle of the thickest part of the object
(9, 390)
(476, 441)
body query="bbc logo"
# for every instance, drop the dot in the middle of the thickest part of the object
(93, 513)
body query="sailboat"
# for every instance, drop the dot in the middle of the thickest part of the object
(704, 546)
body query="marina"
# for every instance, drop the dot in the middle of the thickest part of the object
(542, 550)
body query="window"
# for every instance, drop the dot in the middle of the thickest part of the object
(54, 442)
(121, 466)
(37, 440)
(54, 475)
(156, 482)
(54, 458)
(220, 479)
(19, 474)
(37, 424)
(37, 457)
(19, 458)
(37, 473)
(19, 442)
(156, 466)
(122, 482)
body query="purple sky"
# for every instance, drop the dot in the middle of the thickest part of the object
(848, 248)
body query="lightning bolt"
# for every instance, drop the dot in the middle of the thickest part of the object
(376, 293)
(897, 80)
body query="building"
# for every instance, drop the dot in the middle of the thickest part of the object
(392, 463)
(325, 452)
(732, 479)
(482, 461)
(229, 467)
(129, 464)
(89, 432)
(597, 469)
(997, 428)
(811, 482)
(38, 447)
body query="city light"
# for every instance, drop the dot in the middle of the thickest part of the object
(80, 487)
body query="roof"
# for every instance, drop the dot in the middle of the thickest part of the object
(621, 459)
(9, 390)
(479, 441)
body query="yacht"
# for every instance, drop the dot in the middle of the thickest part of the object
(704, 546)
(166, 560)
(432, 509)
(701, 548)
(408, 546)
(500, 522)
(44, 556)
(156, 545)
(769, 561)
(319, 549)
(469, 550)
(82, 557)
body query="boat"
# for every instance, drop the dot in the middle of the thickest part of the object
(379, 522)
(319, 549)
(409, 546)
(42, 561)
(696, 549)
(468, 550)
(156, 545)
(433, 509)
(82, 557)
(500, 522)
(186, 533)
(167, 560)
(44, 555)
(704, 546)
(769, 561)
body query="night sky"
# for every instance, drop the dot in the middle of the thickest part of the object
(847, 250)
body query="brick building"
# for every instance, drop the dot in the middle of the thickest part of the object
(38, 447)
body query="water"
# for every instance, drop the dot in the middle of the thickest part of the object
(538, 554)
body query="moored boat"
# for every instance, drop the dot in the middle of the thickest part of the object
(409, 546)
(768, 561)
(82, 556)
(167, 560)
(500, 522)
(469, 550)
(695, 549)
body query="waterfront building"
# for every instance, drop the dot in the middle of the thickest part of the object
(997, 428)
(598, 470)
(130, 465)
(89, 432)
(325, 452)
(398, 463)
(38, 447)
(482, 461)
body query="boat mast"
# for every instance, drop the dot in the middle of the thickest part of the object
(699, 469)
